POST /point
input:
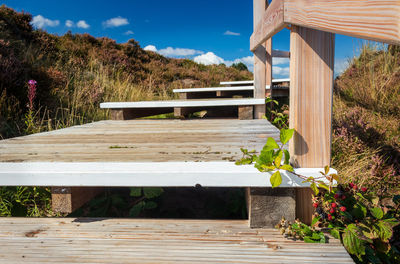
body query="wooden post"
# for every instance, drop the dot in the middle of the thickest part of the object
(266, 206)
(260, 60)
(311, 88)
(68, 199)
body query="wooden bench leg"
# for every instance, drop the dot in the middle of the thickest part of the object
(183, 111)
(266, 206)
(68, 199)
(245, 112)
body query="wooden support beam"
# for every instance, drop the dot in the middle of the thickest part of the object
(267, 206)
(268, 22)
(311, 88)
(68, 199)
(245, 112)
(367, 19)
(260, 60)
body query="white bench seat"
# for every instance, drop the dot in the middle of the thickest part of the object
(251, 82)
(242, 107)
(183, 103)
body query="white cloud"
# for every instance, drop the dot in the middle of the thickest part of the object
(208, 59)
(340, 66)
(116, 22)
(230, 33)
(150, 48)
(176, 52)
(40, 22)
(69, 23)
(280, 61)
(280, 71)
(129, 32)
(82, 24)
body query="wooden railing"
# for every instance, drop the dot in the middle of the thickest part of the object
(313, 24)
(377, 20)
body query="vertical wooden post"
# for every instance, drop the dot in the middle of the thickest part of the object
(260, 60)
(311, 88)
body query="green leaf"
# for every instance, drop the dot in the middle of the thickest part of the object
(314, 187)
(385, 231)
(326, 169)
(315, 220)
(286, 135)
(150, 205)
(377, 212)
(136, 209)
(244, 161)
(392, 222)
(136, 192)
(352, 243)
(359, 211)
(323, 185)
(308, 239)
(335, 233)
(152, 192)
(265, 158)
(278, 159)
(270, 145)
(286, 167)
(276, 179)
(287, 156)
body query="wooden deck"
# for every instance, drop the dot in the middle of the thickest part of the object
(68, 240)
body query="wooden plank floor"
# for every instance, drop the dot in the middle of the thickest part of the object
(68, 240)
(142, 141)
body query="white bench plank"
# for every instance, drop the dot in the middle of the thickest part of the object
(251, 82)
(183, 103)
(214, 89)
(144, 174)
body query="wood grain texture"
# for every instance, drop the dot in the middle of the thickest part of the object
(261, 58)
(268, 23)
(311, 88)
(267, 206)
(68, 199)
(142, 141)
(377, 20)
(96, 240)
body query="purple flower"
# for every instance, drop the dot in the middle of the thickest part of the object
(31, 92)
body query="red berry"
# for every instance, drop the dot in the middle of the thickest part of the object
(337, 196)
(334, 205)
(329, 217)
(343, 197)
(315, 205)
(355, 187)
(351, 185)
(343, 209)
(363, 189)
(332, 211)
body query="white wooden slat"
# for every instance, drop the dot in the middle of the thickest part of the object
(163, 174)
(183, 103)
(252, 82)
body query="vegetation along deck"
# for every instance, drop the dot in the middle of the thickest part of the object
(68, 240)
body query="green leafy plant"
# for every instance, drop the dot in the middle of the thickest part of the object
(144, 202)
(300, 231)
(367, 228)
(277, 116)
(360, 219)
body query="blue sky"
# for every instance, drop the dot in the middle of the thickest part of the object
(208, 31)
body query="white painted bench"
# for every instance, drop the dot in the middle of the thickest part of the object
(131, 110)
(251, 82)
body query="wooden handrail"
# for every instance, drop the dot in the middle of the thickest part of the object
(271, 23)
(367, 19)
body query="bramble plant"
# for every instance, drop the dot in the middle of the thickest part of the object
(30, 116)
(367, 228)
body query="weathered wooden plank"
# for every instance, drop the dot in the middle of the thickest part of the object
(311, 88)
(377, 20)
(261, 58)
(268, 23)
(68, 240)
